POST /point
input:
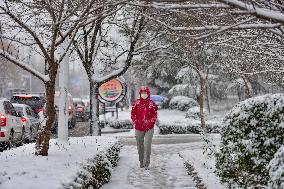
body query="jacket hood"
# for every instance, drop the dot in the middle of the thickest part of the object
(145, 88)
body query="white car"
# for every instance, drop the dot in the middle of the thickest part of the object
(29, 120)
(11, 128)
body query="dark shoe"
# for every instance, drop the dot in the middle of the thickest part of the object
(146, 168)
(141, 165)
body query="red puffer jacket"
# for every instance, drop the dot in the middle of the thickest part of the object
(144, 112)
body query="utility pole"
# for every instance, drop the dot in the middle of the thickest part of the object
(28, 51)
(63, 97)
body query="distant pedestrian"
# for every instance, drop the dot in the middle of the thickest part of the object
(144, 115)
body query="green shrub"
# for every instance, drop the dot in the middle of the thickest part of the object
(251, 134)
(117, 124)
(98, 170)
(187, 126)
(276, 170)
(182, 103)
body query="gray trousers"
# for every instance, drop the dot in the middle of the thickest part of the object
(144, 142)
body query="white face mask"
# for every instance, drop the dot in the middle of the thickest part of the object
(144, 96)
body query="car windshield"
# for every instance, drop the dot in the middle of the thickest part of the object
(25, 98)
(76, 103)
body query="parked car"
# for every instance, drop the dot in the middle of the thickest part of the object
(11, 128)
(80, 110)
(29, 120)
(71, 112)
(11, 91)
(35, 101)
(101, 108)
(159, 100)
(87, 107)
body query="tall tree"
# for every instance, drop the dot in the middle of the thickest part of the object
(105, 55)
(45, 26)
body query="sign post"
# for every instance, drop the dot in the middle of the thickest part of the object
(112, 92)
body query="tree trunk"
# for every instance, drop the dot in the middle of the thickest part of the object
(201, 99)
(94, 96)
(248, 90)
(208, 97)
(91, 106)
(42, 143)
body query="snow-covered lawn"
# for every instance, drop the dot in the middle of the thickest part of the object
(20, 168)
(174, 121)
(122, 115)
(165, 116)
(170, 116)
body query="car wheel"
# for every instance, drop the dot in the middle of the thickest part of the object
(69, 125)
(36, 132)
(22, 140)
(73, 122)
(11, 141)
(29, 136)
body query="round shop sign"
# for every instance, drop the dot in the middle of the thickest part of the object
(111, 90)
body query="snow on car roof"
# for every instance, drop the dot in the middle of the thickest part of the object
(3, 99)
(157, 97)
(77, 99)
(36, 95)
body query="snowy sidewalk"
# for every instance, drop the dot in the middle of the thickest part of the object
(167, 170)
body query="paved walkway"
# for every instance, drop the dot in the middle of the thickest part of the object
(166, 170)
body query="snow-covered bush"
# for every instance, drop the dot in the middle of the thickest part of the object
(276, 170)
(188, 126)
(121, 124)
(194, 112)
(98, 170)
(118, 124)
(251, 134)
(182, 103)
(182, 90)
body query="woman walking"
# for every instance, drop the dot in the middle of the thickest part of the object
(144, 115)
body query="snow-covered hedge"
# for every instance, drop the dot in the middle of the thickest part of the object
(252, 133)
(118, 124)
(182, 90)
(182, 103)
(98, 170)
(194, 112)
(187, 126)
(276, 170)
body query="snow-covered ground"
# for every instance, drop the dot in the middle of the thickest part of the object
(122, 115)
(163, 114)
(204, 166)
(20, 168)
(166, 116)
(166, 170)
